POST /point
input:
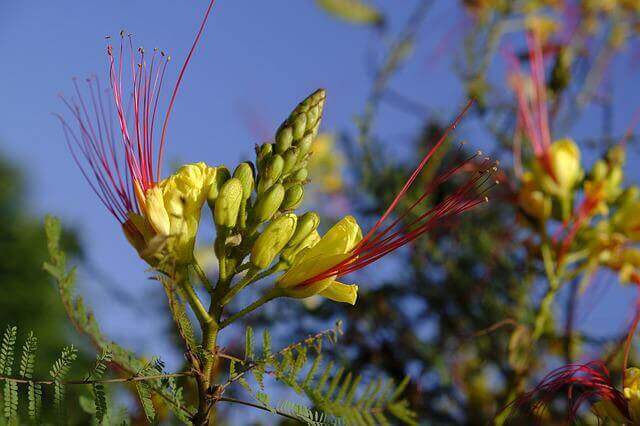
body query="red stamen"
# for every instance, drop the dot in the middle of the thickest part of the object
(115, 172)
(590, 380)
(387, 236)
(533, 114)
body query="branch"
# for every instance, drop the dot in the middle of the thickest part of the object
(308, 341)
(90, 382)
(251, 404)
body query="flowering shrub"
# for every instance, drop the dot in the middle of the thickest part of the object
(481, 251)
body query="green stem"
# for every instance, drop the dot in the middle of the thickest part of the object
(547, 302)
(245, 281)
(205, 399)
(251, 277)
(203, 277)
(194, 301)
(243, 267)
(272, 294)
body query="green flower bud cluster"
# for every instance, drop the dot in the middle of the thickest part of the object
(282, 165)
(252, 207)
(288, 236)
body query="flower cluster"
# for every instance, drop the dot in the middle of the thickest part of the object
(594, 210)
(253, 207)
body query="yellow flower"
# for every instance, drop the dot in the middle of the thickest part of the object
(543, 26)
(564, 158)
(606, 409)
(326, 164)
(532, 200)
(170, 213)
(332, 249)
(627, 220)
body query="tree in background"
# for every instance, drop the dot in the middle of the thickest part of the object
(28, 298)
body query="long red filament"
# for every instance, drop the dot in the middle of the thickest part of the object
(114, 169)
(588, 380)
(387, 235)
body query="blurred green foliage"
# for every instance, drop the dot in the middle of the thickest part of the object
(28, 296)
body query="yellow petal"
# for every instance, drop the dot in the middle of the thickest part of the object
(339, 292)
(565, 157)
(307, 290)
(309, 268)
(605, 409)
(341, 238)
(156, 212)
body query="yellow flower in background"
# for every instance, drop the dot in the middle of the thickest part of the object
(627, 220)
(543, 26)
(301, 280)
(326, 164)
(627, 411)
(532, 200)
(564, 157)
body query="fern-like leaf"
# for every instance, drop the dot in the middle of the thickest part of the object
(266, 344)
(7, 350)
(58, 372)
(248, 344)
(145, 390)
(10, 390)
(34, 396)
(28, 358)
(144, 393)
(27, 363)
(84, 320)
(97, 388)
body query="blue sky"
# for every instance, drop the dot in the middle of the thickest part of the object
(256, 58)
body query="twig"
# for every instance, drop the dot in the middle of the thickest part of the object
(90, 382)
(260, 407)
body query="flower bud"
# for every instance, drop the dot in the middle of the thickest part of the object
(617, 155)
(532, 200)
(629, 195)
(307, 223)
(268, 203)
(293, 197)
(565, 157)
(263, 153)
(627, 220)
(299, 126)
(304, 146)
(301, 175)
(313, 115)
(303, 120)
(290, 158)
(284, 138)
(222, 175)
(565, 165)
(272, 240)
(228, 202)
(272, 173)
(292, 253)
(244, 173)
(599, 171)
